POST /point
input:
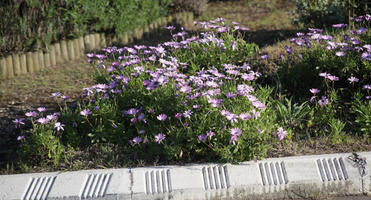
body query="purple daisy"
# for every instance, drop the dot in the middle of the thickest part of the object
(159, 137)
(162, 117)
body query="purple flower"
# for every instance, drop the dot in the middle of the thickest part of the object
(52, 117)
(178, 115)
(131, 111)
(142, 131)
(141, 117)
(314, 90)
(323, 101)
(215, 102)
(85, 112)
(259, 105)
(43, 120)
(187, 113)
(210, 134)
(162, 117)
(137, 140)
(232, 117)
(244, 90)
(281, 133)
(230, 95)
(202, 137)
(133, 120)
(18, 122)
(244, 116)
(366, 87)
(255, 114)
(366, 56)
(159, 137)
(353, 79)
(170, 28)
(339, 25)
(247, 77)
(340, 53)
(59, 126)
(185, 89)
(41, 109)
(288, 49)
(361, 30)
(196, 106)
(236, 131)
(264, 56)
(21, 137)
(225, 113)
(31, 114)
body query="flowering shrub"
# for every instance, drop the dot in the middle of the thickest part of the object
(197, 97)
(193, 97)
(332, 71)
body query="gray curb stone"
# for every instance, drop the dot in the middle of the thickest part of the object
(275, 178)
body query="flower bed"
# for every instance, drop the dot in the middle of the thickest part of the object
(201, 98)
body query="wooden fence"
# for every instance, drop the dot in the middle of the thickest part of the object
(68, 50)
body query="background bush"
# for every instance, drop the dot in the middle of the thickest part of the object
(195, 6)
(30, 24)
(320, 13)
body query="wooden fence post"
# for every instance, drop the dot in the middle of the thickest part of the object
(47, 61)
(53, 59)
(23, 63)
(35, 59)
(16, 64)
(64, 50)
(82, 46)
(3, 69)
(58, 53)
(9, 66)
(41, 60)
(71, 50)
(30, 64)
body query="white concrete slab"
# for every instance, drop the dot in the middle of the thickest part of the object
(367, 176)
(285, 178)
(89, 184)
(26, 186)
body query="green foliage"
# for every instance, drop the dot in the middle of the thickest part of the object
(335, 130)
(292, 115)
(28, 25)
(320, 13)
(362, 111)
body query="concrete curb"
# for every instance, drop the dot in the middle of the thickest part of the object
(275, 178)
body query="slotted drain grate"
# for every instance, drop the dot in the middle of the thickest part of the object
(332, 169)
(158, 181)
(215, 177)
(95, 185)
(273, 173)
(39, 188)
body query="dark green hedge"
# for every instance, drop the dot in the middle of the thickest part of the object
(31, 24)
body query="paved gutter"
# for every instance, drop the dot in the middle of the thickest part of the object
(275, 178)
